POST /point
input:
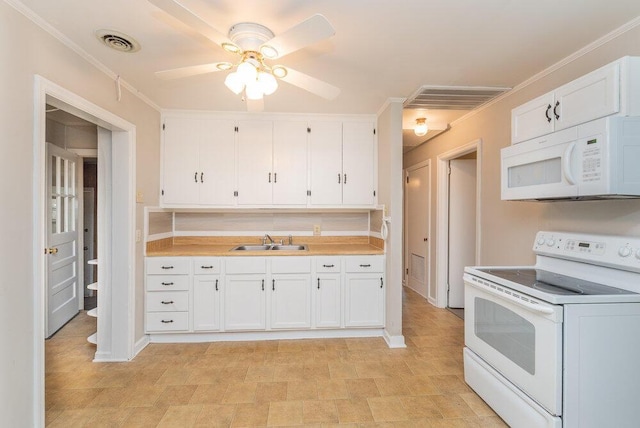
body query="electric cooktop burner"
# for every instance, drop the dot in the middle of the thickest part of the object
(553, 283)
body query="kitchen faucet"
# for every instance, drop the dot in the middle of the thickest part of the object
(265, 237)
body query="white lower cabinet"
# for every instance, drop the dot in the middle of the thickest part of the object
(167, 294)
(206, 302)
(328, 292)
(364, 291)
(245, 293)
(290, 301)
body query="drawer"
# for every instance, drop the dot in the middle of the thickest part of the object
(167, 282)
(364, 264)
(293, 264)
(328, 264)
(168, 265)
(167, 301)
(206, 265)
(248, 265)
(167, 321)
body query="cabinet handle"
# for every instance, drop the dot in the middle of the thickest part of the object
(339, 178)
(195, 176)
(273, 285)
(328, 266)
(206, 267)
(166, 321)
(345, 179)
(318, 283)
(546, 113)
(170, 302)
(269, 177)
(216, 285)
(167, 283)
(365, 265)
(555, 110)
(263, 285)
(202, 177)
(167, 267)
(381, 282)
(275, 177)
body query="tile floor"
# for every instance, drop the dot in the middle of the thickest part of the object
(346, 382)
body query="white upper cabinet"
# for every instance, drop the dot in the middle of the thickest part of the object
(606, 91)
(342, 163)
(255, 175)
(290, 154)
(198, 161)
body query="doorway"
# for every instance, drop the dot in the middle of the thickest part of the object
(458, 219)
(418, 225)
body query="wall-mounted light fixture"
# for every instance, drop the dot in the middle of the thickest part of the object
(421, 127)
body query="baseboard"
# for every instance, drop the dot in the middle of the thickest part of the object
(140, 345)
(394, 341)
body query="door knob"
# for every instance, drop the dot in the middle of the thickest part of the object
(53, 250)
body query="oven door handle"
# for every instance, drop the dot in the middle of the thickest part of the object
(533, 307)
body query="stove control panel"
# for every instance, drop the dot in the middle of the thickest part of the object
(621, 252)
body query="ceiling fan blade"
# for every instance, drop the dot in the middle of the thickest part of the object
(176, 73)
(255, 105)
(192, 20)
(311, 84)
(306, 33)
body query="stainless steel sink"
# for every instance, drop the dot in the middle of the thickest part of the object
(275, 247)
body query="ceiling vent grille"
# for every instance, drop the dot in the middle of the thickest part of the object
(118, 41)
(452, 97)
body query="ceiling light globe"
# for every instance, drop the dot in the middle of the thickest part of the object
(234, 83)
(268, 51)
(253, 91)
(267, 82)
(421, 127)
(247, 73)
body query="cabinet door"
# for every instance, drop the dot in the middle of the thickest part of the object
(364, 300)
(206, 302)
(328, 300)
(325, 155)
(290, 301)
(590, 97)
(290, 163)
(357, 163)
(180, 181)
(255, 175)
(217, 163)
(244, 302)
(532, 119)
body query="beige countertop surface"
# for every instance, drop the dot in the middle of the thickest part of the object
(222, 247)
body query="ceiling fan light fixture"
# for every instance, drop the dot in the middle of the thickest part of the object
(247, 72)
(267, 82)
(268, 51)
(234, 83)
(279, 71)
(253, 91)
(223, 66)
(230, 47)
(421, 127)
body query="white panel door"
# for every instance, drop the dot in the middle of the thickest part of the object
(357, 163)
(462, 226)
(418, 195)
(244, 302)
(290, 301)
(364, 300)
(255, 153)
(62, 239)
(328, 300)
(325, 155)
(532, 119)
(181, 179)
(290, 151)
(206, 302)
(217, 163)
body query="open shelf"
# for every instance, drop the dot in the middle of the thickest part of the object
(93, 312)
(93, 262)
(93, 286)
(93, 338)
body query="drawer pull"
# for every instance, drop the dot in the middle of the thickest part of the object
(167, 267)
(206, 267)
(365, 265)
(170, 302)
(166, 321)
(328, 266)
(167, 283)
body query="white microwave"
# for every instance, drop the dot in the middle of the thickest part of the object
(596, 160)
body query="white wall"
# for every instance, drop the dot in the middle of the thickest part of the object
(26, 50)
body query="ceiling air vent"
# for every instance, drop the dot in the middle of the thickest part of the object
(452, 97)
(118, 41)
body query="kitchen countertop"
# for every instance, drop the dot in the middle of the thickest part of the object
(221, 246)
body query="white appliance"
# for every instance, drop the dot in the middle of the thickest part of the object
(558, 344)
(595, 160)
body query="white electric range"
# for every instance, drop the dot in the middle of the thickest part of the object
(558, 344)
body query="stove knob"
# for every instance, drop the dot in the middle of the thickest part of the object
(541, 240)
(551, 242)
(624, 251)
(637, 254)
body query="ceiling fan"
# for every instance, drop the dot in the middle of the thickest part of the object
(255, 46)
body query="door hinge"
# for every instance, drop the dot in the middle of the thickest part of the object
(163, 126)
(374, 193)
(235, 193)
(407, 270)
(162, 192)
(308, 130)
(374, 131)
(407, 179)
(308, 192)
(236, 129)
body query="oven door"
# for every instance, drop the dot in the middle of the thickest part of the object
(519, 336)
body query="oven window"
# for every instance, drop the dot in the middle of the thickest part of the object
(506, 332)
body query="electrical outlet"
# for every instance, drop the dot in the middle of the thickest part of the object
(316, 230)
(138, 235)
(139, 197)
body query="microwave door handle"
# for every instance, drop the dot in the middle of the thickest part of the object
(533, 307)
(566, 164)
